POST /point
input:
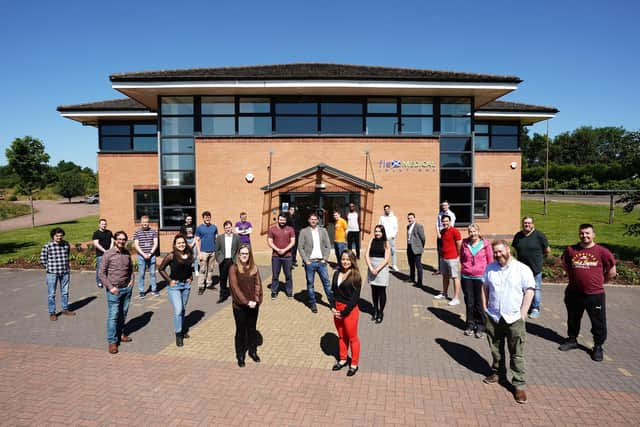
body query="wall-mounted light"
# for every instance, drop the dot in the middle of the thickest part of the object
(249, 177)
(514, 165)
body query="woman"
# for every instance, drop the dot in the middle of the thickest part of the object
(377, 257)
(475, 256)
(246, 294)
(179, 280)
(346, 287)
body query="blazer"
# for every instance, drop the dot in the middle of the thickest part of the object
(417, 238)
(235, 246)
(305, 243)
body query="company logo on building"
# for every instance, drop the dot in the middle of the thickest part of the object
(407, 165)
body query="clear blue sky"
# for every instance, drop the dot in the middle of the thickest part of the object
(582, 57)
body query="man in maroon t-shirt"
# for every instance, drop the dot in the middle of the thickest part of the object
(450, 259)
(281, 239)
(589, 267)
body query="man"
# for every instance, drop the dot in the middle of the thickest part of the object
(227, 246)
(450, 260)
(444, 210)
(531, 247)
(340, 236)
(102, 241)
(314, 249)
(507, 293)
(415, 248)
(293, 221)
(353, 230)
(243, 229)
(589, 266)
(145, 240)
(281, 239)
(116, 274)
(188, 230)
(206, 245)
(54, 257)
(390, 223)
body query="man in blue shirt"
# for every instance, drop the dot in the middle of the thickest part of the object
(206, 234)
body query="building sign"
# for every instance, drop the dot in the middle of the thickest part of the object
(407, 166)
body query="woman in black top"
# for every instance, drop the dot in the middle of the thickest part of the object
(179, 282)
(377, 256)
(346, 287)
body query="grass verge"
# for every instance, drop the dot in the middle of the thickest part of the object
(12, 210)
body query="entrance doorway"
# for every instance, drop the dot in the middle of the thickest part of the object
(322, 204)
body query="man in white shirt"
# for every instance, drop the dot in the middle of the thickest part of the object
(226, 250)
(390, 224)
(314, 248)
(353, 230)
(507, 294)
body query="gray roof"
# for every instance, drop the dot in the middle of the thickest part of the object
(125, 104)
(517, 106)
(309, 71)
(324, 167)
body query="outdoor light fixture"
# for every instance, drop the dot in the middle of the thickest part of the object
(249, 177)
(514, 165)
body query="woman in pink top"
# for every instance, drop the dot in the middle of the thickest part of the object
(475, 255)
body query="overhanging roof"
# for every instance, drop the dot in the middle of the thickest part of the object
(525, 114)
(116, 109)
(322, 167)
(311, 79)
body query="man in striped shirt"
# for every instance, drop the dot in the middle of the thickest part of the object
(54, 257)
(145, 241)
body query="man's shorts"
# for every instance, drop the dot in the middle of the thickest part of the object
(450, 268)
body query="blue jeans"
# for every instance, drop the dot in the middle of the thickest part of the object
(178, 297)
(144, 265)
(284, 263)
(537, 295)
(117, 308)
(98, 261)
(339, 248)
(52, 281)
(321, 269)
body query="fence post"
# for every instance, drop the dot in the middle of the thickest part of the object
(611, 208)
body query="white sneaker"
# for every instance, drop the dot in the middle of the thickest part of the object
(440, 296)
(395, 268)
(454, 301)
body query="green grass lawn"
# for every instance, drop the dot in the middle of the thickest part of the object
(25, 242)
(11, 210)
(561, 226)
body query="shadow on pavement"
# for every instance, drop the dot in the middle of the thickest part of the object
(138, 323)
(544, 332)
(329, 344)
(77, 305)
(465, 356)
(449, 317)
(365, 306)
(303, 297)
(192, 319)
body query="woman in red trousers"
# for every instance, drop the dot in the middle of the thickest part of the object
(346, 287)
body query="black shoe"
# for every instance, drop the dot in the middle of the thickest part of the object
(379, 318)
(273, 295)
(339, 366)
(241, 361)
(314, 308)
(179, 342)
(374, 316)
(200, 291)
(570, 344)
(254, 356)
(597, 354)
(352, 371)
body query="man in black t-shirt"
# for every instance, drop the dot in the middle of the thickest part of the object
(102, 240)
(532, 246)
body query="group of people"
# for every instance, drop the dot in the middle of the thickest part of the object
(499, 290)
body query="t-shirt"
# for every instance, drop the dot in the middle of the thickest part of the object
(145, 239)
(531, 249)
(281, 237)
(352, 221)
(104, 238)
(241, 226)
(207, 235)
(587, 268)
(341, 231)
(449, 247)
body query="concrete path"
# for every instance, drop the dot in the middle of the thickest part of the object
(417, 367)
(52, 212)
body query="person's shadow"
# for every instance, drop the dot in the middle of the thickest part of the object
(77, 305)
(303, 297)
(192, 319)
(329, 345)
(365, 306)
(449, 317)
(138, 322)
(465, 356)
(544, 332)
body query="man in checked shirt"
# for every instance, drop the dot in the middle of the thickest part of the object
(54, 257)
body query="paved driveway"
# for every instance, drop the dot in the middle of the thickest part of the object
(417, 368)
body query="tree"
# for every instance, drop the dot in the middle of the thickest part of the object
(70, 185)
(28, 160)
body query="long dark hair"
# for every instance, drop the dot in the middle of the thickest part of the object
(384, 232)
(354, 271)
(251, 264)
(187, 249)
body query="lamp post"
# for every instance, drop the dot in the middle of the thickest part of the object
(546, 171)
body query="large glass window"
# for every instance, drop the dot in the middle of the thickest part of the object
(417, 116)
(176, 105)
(133, 136)
(497, 136)
(455, 116)
(456, 176)
(146, 202)
(481, 203)
(255, 116)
